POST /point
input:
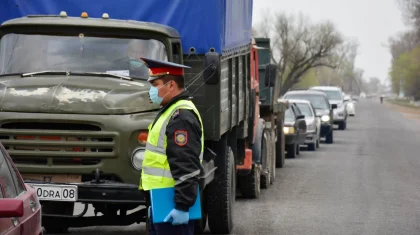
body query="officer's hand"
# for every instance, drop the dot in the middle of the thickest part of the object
(177, 217)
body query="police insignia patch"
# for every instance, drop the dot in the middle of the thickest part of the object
(181, 137)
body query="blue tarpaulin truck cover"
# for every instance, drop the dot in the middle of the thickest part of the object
(203, 24)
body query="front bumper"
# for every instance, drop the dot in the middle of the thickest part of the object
(105, 192)
(311, 137)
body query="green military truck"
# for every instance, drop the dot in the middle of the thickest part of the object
(271, 109)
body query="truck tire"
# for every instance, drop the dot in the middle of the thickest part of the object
(291, 150)
(280, 157)
(250, 184)
(329, 139)
(56, 208)
(221, 193)
(266, 157)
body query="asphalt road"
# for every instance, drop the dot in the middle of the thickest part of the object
(367, 182)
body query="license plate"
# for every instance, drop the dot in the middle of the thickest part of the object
(50, 192)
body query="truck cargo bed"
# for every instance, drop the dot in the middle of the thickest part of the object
(220, 24)
(226, 104)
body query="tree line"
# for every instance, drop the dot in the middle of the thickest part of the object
(405, 50)
(309, 54)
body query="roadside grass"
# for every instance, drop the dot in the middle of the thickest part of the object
(402, 102)
(405, 108)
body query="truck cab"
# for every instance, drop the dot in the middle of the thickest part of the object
(75, 109)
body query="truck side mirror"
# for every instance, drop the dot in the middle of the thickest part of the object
(270, 75)
(212, 68)
(334, 106)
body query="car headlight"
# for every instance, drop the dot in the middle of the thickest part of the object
(137, 158)
(288, 130)
(325, 118)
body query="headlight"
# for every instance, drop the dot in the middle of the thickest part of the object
(325, 118)
(137, 158)
(288, 130)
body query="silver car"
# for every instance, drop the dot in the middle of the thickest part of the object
(335, 96)
(313, 123)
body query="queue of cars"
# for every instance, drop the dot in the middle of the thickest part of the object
(312, 114)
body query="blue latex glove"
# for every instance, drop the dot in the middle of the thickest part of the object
(177, 217)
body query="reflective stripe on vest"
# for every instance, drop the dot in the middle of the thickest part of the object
(156, 172)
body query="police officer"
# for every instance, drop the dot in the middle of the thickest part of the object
(174, 146)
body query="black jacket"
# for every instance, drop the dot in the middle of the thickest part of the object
(183, 156)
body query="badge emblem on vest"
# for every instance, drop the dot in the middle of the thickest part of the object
(181, 137)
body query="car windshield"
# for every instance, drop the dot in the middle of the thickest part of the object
(289, 116)
(333, 95)
(23, 53)
(305, 109)
(317, 101)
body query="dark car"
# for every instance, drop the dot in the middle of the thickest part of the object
(322, 107)
(294, 130)
(20, 210)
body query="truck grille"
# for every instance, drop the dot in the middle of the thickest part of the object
(64, 143)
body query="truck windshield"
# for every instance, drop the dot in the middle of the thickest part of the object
(24, 53)
(317, 101)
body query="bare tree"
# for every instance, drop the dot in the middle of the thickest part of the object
(298, 46)
(410, 10)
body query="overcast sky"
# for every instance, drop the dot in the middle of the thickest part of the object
(372, 22)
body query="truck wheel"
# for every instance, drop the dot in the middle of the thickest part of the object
(329, 138)
(221, 193)
(56, 208)
(291, 150)
(266, 155)
(250, 184)
(279, 149)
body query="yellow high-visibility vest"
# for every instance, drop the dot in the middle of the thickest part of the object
(156, 172)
